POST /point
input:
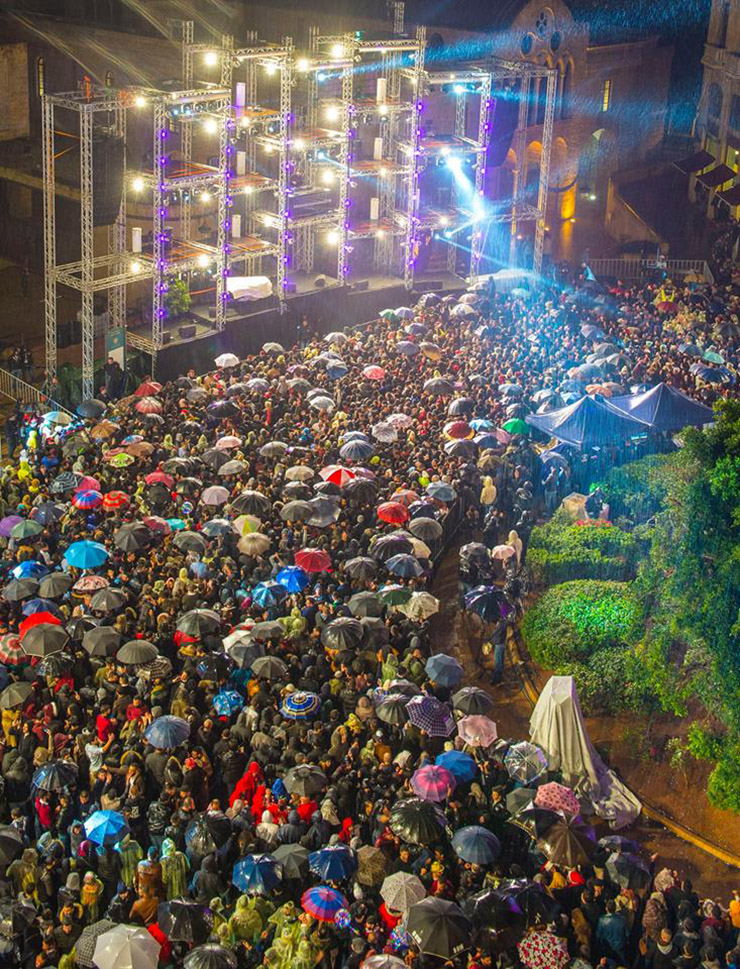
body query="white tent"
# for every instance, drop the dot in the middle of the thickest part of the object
(557, 727)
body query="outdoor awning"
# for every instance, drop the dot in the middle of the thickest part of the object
(694, 163)
(716, 176)
(730, 196)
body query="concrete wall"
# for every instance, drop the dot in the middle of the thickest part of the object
(14, 84)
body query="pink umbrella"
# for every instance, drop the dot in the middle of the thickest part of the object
(159, 477)
(148, 405)
(373, 372)
(477, 730)
(337, 474)
(433, 783)
(228, 442)
(503, 552)
(557, 797)
(502, 436)
(157, 524)
(215, 495)
(91, 583)
(88, 483)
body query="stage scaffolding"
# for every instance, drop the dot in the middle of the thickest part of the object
(285, 123)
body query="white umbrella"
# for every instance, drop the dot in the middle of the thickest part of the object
(273, 348)
(503, 552)
(462, 309)
(245, 524)
(215, 495)
(401, 421)
(402, 890)
(386, 433)
(299, 472)
(126, 947)
(336, 337)
(254, 543)
(227, 360)
(420, 606)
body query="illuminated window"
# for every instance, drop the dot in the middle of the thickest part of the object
(606, 95)
(733, 159)
(40, 76)
(109, 78)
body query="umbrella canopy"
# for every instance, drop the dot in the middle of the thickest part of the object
(210, 956)
(313, 560)
(402, 890)
(44, 639)
(300, 705)
(343, 633)
(430, 715)
(471, 700)
(417, 821)
(543, 950)
(488, 602)
(476, 844)
(126, 947)
(15, 695)
(132, 537)
(433, 782)
(477, 731)
(439, 927)
(19, 589)
(323, 902)
(628, 870)
(167, 731)
(569, 841)
(461, 765)
(557, 797)
(305, 780)
(293, 858)
(392, 708)
(55, 776)
(206, 833)
(85, 944)
(333, 863)
(101, 640)
(107, 600)
(269, 668)
(443, 669)
(85, 554)
(257, 874)
(105, 827)
(199, 622)
(525, 762)
(137, 651)
(182, 920)
(372, 865)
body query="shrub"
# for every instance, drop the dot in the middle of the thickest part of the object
(638, 490)
(723, 786)
(609, 681)
(561, 551)
(573, 620)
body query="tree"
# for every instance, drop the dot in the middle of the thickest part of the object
(178, 299)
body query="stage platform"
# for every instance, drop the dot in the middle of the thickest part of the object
(249, 325)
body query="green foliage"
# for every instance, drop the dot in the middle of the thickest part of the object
(573, 620)
(723, 787)
(178, 299)
(703, 745)
(638, 490)
(561, 550)
(610, 680)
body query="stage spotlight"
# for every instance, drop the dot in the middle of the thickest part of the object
(332, 237)
(383, 109)
(205, 196)
(203, 261)
(211, 126)
(327, 177)
(138, 184)
(337, 51)
(458, 89)
(270, 68)
(248, 189)
(139, 101)
(332, 113)
(211, 58)
(299, 144)
(302, 64)
(135, 267)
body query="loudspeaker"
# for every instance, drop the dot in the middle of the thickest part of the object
(75, 332)
(186, 332)
(506, 115)
(166, 336)
(291, 286)
(320, 282)
(63, 335)
(361, 286)
(107, 178)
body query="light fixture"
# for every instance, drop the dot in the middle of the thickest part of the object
(337, 51)
(269, 149)
(458, 89)
(135, 267)
(332, 237)
(211, 58)
(211, 126)
(327, 177)
(380, 233)
(270, 67)
(383, 172)
(138, 184)
(332, 113)
(248, 189)
(444, 221)
(139, 101)
(205, 196)
(383, 109)
(299, 144)
(302, 64)
(592, 196)
(203, 261)
(445, 151)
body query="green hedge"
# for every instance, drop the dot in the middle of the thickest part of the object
(638, 490)
(610, 681)
(560, 551)
(573, 620)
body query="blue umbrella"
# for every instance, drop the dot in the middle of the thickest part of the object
(176, 524)
(292, 578)
(356, 450)
(337, 370)
(199, 569)
(167, 731)
(227, 702)
(462, 766)
(86, 555)
(33, 606)
(268, 593)
(441, 491)
(333, 863)
(30, 569)
(476, 845)
(216, 527)
(482, 424)
(256, 874)
(300, 705)
(105, 827)
(444, 669)
(404, 565)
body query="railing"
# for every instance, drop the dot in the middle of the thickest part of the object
(635, 270)
(16, 389)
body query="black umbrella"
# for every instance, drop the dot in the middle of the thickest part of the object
(361, 491)
(416, 821)
(207, 833)
(343, 633)
(159, 494)
(215, 458)
(199, 622)
(427, 529)
(294, 859)
(44, 639)
(190, 487)
(361, 568)
(137, 651)
(376, 632)
(55, 776)
(85, 945)
(491, 910)
(132, 537)
(364, 604)
(108, 600)
(48, 512)
(92, 408)
(18, 589)
(245, 653)
(269, 668)
(569, 841)
(210, 956)
(627, 870)
(471, 700)
(534, 902)
(296, 511)
(11, 844)
(534, 819)
(252, 503)
(66, 481)
(222, 409)
(184, 921)
(439, 927)
(387, 546)
(54, 585)
(101, 641)
(191, 542)
(392, 709)
(177, 466)
(305, 780)
(78, 626)
(297, 491)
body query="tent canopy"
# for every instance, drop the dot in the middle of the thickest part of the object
(590, 422)
(664, 408)
(557, 727)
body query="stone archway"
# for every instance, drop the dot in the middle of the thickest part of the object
(593, 171)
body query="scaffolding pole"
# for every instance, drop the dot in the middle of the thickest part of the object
(345, 155)
(186, 127)
(87, 315)
(159, 214)
(225, 202)
(519, 146)
(484, 138)
(285, 163)
(50, 242)
(547, 126)
(117, 234)
(412, 178)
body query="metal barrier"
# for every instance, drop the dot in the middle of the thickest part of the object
(18, 390)
(635, 270)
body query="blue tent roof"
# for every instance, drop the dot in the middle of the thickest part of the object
(664, 408)
(590, 422)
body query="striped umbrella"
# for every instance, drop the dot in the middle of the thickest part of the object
(300, 705)
(114, 500)
(323, 902)
(87, 499)
(430, 715)
(11, 651)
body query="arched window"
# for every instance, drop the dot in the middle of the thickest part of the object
(565, 87)
(714, 101)
(109, 79)
(40, 76)
(534, 101)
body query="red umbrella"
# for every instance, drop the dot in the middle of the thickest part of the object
(459, 430)
(666, 306)
(405, 496)
(157, 524)
(148, 405)
(313, 560)
(87, 499)
(393, 512)
(88, 483)
(115, 500)
(35, 619)
(159, 477)
(373, 372)
(337, 474)
(148, 389)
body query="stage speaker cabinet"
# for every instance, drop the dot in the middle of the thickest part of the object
(75, 332)
(361, 286)
(107, 177)
(186, 332)
(63, 335)
(320, 282)
(291, 286)
(166, 336)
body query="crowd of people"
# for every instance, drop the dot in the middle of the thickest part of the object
(229, 738)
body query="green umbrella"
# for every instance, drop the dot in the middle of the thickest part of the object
(389, 315)
(516, 426)
(26, 529)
